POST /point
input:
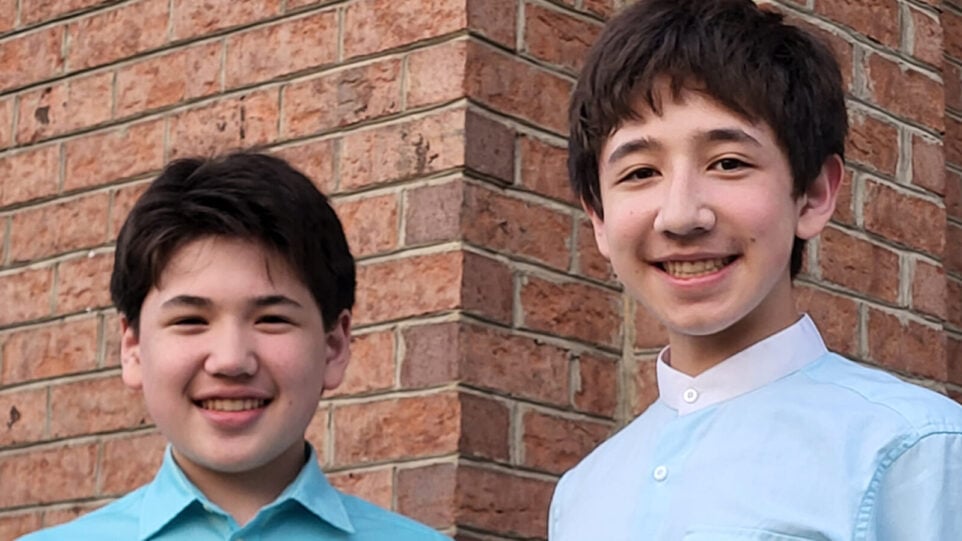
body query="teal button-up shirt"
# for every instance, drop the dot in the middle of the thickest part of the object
(172, 508)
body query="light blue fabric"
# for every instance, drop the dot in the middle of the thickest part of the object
(172, 508)
(818, 448)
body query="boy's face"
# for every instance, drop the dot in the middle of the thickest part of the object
(699, 218)
(232, 357)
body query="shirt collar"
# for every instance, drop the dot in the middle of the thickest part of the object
(754, 367)
(171, 493)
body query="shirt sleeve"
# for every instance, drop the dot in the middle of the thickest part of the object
(920, 493)
(554, 513)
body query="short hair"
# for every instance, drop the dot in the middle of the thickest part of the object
(747, 59)
(244, 195)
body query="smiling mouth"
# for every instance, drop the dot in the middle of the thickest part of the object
(232, 404)
(694, 269)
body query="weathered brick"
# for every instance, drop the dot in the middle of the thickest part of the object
(191, 18)
(604, 8)
(123, 201)
(954, 353)
(94, 405)
(432, 354)
(62, 514)
(590, 261)
(643, 385)
(544, 170)
(860, 265)
(419, 285)
(428, 494)
(65, 107)
(495, 19)
(928, 164)
(83, 283)
(317, 433)
(159, 81)
(62, 473)
(905, 91)
(596, 389)
(836, 317)
(906, 346)
(487, 289)
(953, 249)
(372, 364)
(904, 219)
(557, 37)
(111, 339)
(433, 213)
(556, 444)
(952, 29)
(134, 150)
(370, 223)
(6, 122)
(23, 415)
(873, 143)
(952, 79)
(844, 205)
(489, 147)
(953, 194)
(25, 294)
(8, 18)
(500, 502)
(926, 36)
(29, 174)
(929, 289)
(485, 428)
(130, 462)
(840, 46)
(573, 310)
(227, 124)
(63, 347)
(377, 25)
(35, 11)
(877, 19)
(43, 231)
(107, 36)
(649, 333)
(436, 74)
(316, 160)
(375, 486)
(14, 526)
(953, 140)
(396, 428)
(289, 46)
(31, 57)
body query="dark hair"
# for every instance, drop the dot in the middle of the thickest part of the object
(744, 57)
(242, 195)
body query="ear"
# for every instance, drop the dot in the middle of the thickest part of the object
(338, 342)
(598, 224)
(130, 369)
(817, 204)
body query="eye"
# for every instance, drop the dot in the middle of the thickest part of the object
(189, 321)
(730, 164)
(642, 173)
(273, 320)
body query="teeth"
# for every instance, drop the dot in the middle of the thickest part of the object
(691, 269)
(230, 404)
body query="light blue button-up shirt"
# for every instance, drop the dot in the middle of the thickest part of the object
(172, 508)
(784, 441)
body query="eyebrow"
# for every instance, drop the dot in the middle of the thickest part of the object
(718, 135)
(193, 301)
(632, 146)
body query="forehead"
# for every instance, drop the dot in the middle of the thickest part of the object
(219, 260)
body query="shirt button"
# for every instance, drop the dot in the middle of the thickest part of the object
(660, 473)
(690, 395)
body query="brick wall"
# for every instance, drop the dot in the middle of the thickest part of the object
(493, 346)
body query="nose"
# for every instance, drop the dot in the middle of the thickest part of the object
(684, 209)
(231, 353)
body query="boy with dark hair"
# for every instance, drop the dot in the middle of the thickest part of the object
(706, 145)
(235, 285)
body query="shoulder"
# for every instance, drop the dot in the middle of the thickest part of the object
(373, 523)
(118, 520)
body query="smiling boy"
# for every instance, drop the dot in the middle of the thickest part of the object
(235, 284)
(706, 146)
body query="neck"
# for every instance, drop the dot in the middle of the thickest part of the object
(243, 494)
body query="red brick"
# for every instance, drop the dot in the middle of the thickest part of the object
(556, 37)
(573, 310)
(840, 46)
(505, 503)
(377, 25)
(906, 346)
(159, 81)
(844, 206)
(953, 194)
(905, 91)
(953, 140)
(8, 18)
(929, 289)
(396, 428)
(432, 354)
(111, 339)
(604, 8)
(955, 364)
(107, 36)
(873, 142)
(123, 201)
(317, 433)
(94, 405)
(134, 150)
(83, 283)
(370, 223)
(14, 526)
(29, 174)
(63, 347)
(877, 19)
(65, 107)
(408, 287)
(487, 289)
(836, 317)
(433, 213)
(952, 79)
(952, 29)
(60, 515)
(266, 52)
(953, 249)
(926, 36)
(649, 333)
(25, 294)
(903, 218)
(428, 494)
(372, 364)
(590, 262)
(489, 147)
(494, 19)
(31, 58)
(34, 11)
(192, 18)
(517, 227)
(515, 87)
(23, 416)
(928, 164)
(643, 385)
(859, 265)
(58, 474)
(316, 160)
(227, 124)
(436, 74)
(954, 305)
(596, 389)
(485, 428)
(402, 151)
(375, 486)
(6, 122)
(544, 170)
(517, 366)
(556, 444)
(128, 463)
(40, 232)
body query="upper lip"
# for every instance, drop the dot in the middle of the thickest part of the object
(701, 256)
(233, 393)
